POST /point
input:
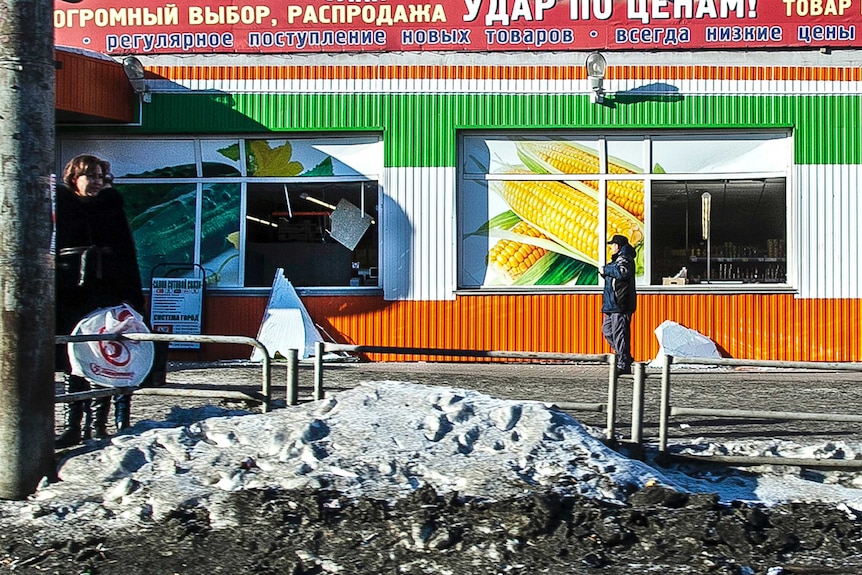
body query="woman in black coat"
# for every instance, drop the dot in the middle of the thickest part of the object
(96, 266)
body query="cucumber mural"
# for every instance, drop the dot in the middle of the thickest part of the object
(162, 215)
(184, 196)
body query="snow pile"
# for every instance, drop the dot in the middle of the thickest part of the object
(835, 450)
(380, 439)
(773, 484)
(385, 440)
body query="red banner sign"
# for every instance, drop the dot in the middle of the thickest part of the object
(271, 26)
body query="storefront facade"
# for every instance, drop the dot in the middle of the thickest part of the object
(461, 160)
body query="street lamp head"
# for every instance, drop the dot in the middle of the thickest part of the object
(135, 73)
(596, 66)
(134, 69)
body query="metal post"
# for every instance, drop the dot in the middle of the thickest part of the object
(26, 257)
(664, 409)
(292, 395)
(612, 397)
(266, 381)
(638, 403)
(318, 370)
(706, 211)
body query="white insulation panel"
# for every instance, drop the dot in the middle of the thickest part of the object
(419, 234)
(828, 236)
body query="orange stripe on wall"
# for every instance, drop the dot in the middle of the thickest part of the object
(747, 326)
(737, 73)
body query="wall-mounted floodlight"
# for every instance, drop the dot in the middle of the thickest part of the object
(596, 66)
(135, 73)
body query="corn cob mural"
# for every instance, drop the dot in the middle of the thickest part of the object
(513, 258)
(525, 256)
(571, 158)
(568, 215)
(553, 226)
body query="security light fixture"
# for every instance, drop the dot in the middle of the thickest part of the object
(135, 73)
(596, 66)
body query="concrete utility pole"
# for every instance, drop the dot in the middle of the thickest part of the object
(26, 258)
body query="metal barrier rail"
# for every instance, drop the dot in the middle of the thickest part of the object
(666, 410)
(320, 348)
(264, 397)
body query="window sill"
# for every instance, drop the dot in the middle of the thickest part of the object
(729, 288)
(302, 291)
(688, 289)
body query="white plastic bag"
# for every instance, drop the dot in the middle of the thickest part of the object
(112, 363)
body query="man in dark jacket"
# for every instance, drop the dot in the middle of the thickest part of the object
(619, 300)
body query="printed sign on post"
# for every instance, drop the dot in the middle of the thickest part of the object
(176, 308)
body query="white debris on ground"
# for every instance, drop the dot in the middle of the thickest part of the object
(680, 342)
(380, 439)
(773, 484)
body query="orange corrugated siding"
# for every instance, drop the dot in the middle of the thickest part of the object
(94, 87)
(573, 72)
(752, 326)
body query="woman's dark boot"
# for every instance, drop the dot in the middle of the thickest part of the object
(123, 411)
(101, 407)
(74, 414)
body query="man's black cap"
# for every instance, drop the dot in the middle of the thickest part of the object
(619, 240)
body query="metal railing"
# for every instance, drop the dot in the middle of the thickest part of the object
(666, 410)
(610, 407)
(264, 397)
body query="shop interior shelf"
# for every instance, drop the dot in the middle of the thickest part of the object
(748, 259)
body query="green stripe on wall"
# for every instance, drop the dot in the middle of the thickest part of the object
(420, 130)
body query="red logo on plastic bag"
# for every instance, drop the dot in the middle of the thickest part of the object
(115, 352)
(99, 370)
(111, 363)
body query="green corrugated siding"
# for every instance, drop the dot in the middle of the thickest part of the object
(419, 130)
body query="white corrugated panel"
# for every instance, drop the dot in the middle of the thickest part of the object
(619, 87)
(419, 234)
(828, 231)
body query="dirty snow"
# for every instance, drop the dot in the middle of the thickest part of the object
(381, 440)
